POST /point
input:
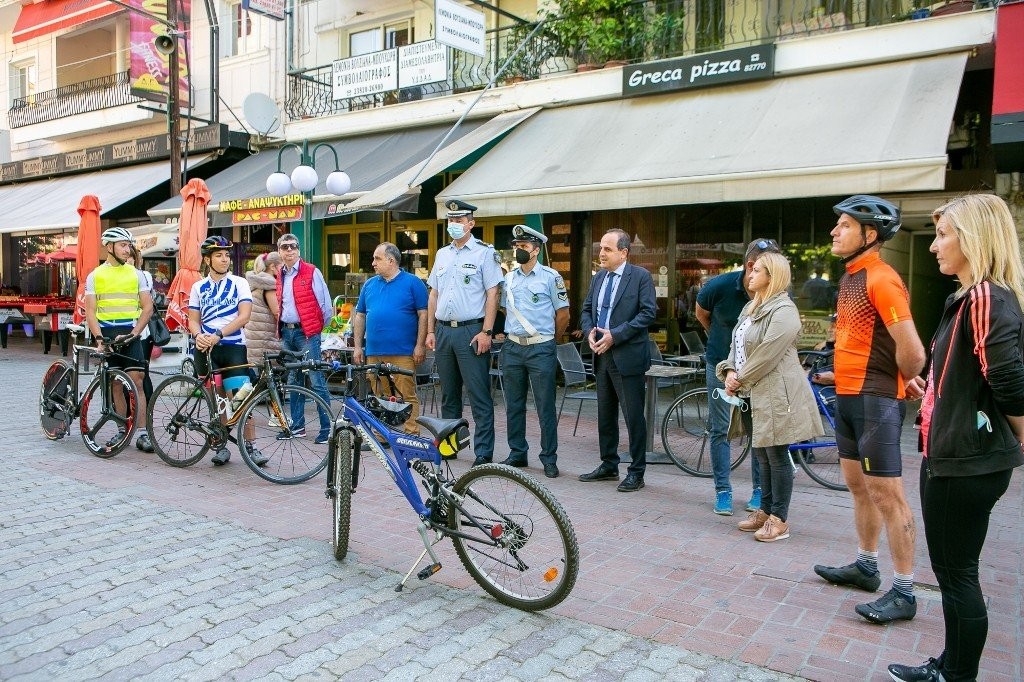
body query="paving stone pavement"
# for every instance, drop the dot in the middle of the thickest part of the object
(211, 572)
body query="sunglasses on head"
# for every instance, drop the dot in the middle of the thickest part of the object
(288, 247)
(765, 244)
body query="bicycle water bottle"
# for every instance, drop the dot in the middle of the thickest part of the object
(240, 395)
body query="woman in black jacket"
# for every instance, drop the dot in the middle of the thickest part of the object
(972, 427)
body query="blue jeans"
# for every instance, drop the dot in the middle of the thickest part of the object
(721, 457)
(296, 341)
(523, 366)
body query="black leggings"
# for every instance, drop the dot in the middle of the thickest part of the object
(776, 480)
(956, 511)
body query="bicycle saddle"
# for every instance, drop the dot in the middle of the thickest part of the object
(442, 428)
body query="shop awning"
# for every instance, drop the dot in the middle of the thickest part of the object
(871, 129)
(46, 17)
(53, 204)
(387, 196)
(370, 161)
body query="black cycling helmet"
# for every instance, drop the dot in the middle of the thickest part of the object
(215, 243)
(874, 212)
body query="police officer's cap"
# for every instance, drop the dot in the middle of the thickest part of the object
(457, 209)
(522, 233)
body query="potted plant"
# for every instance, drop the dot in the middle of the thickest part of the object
(526, 64)
(597, 31)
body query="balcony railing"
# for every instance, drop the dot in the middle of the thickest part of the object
(71, 100)
(644, 31)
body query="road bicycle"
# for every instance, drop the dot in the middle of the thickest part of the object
(188, 416)
(105, 430)
(686, 435)
(511, 534)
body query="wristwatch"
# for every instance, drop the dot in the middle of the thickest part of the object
(219, 333)
(489, 332)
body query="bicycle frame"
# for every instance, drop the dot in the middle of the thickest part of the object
(824, 409)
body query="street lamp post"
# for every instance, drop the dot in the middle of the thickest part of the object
(304, 179)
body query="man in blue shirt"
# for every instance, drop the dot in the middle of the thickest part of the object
(390, 323)
(719, 303)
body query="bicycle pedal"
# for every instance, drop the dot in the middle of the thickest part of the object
(428, 571)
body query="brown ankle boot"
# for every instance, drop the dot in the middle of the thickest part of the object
(753, 522)
(774, 529)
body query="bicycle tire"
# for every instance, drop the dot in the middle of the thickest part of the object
(55, 400)
(178, 405)
(290, 461)
(541, 539)
(340, 472)
(686, 436)
(108, 434)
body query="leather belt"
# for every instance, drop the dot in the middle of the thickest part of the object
(291, 325)
(463, 323)
(529, 340)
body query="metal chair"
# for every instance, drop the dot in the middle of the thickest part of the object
(427, 379)
(495, 372)
(576, 378)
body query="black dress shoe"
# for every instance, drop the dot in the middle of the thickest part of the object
(481, 460)
(600, 474)
(632, 483)
(517, 463)
(551, 470)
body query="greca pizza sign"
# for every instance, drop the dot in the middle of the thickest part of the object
(728, 66)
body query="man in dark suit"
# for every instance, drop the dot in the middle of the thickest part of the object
(616, 313)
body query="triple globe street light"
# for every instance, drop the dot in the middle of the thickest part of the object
(304, 179)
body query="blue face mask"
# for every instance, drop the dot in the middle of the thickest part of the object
(456, 230)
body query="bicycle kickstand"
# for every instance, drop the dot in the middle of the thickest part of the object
(427, 570)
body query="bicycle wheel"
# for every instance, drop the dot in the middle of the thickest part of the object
(820, 459)
(178, 416)
(56, 401)
(288, 459)
(536, 559)
(686, 435)
(340, 490)
(105, 431)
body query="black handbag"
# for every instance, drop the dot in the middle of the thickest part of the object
(158, 331)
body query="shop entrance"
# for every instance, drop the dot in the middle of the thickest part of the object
(348, 257)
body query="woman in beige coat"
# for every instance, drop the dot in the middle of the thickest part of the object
(261, 331)
(763, 365)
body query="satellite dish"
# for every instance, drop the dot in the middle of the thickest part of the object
(262, 113)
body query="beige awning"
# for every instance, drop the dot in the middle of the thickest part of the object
(871, 129)
(410, 179)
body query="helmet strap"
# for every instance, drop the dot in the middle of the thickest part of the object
(113, 253)
(861, 250)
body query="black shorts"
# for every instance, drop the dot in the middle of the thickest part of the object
(131, 357)
(223, 355)
(868, 429)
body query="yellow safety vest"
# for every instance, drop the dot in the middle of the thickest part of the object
(117, 294)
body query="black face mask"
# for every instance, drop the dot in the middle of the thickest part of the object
(523, 256)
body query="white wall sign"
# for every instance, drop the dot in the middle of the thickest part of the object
(367, 74)
(268, 8)
(420, 63)
(459, 26)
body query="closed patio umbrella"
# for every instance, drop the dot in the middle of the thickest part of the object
(88, 256)
(191, 232)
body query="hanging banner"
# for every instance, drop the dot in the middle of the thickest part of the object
(148, 71)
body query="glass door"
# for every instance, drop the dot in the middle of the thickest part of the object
(349, 258)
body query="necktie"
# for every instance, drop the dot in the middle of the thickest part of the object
(606, 301)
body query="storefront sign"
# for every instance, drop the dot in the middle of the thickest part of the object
(728, 66)
(367, 74)
(255, 216)
(420, 63)
(229, 205)
(268, 8)
(459, 26)
(153, 148)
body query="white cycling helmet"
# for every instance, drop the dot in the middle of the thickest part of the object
(116, 234)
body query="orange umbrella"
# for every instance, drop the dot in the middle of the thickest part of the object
(192, 229)
(88, 256)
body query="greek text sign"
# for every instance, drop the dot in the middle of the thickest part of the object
(420, 63)
(367, 74)
(459, 26)
(728, 66)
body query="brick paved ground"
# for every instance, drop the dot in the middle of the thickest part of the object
(127, 568)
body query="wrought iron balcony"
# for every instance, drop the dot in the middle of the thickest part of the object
(639, 31)
(71, 100)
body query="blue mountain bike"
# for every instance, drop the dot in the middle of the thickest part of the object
(508, 530)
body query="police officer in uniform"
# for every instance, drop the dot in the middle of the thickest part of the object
(461, 309)
(536, 314)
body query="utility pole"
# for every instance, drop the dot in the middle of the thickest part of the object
(173, 93)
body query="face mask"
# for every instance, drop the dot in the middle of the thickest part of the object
(456, 230)
(523, 256)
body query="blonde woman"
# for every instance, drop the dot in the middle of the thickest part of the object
(972, 417)
(261, 331)
(763, 365)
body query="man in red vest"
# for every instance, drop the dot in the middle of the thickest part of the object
(305, 310)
